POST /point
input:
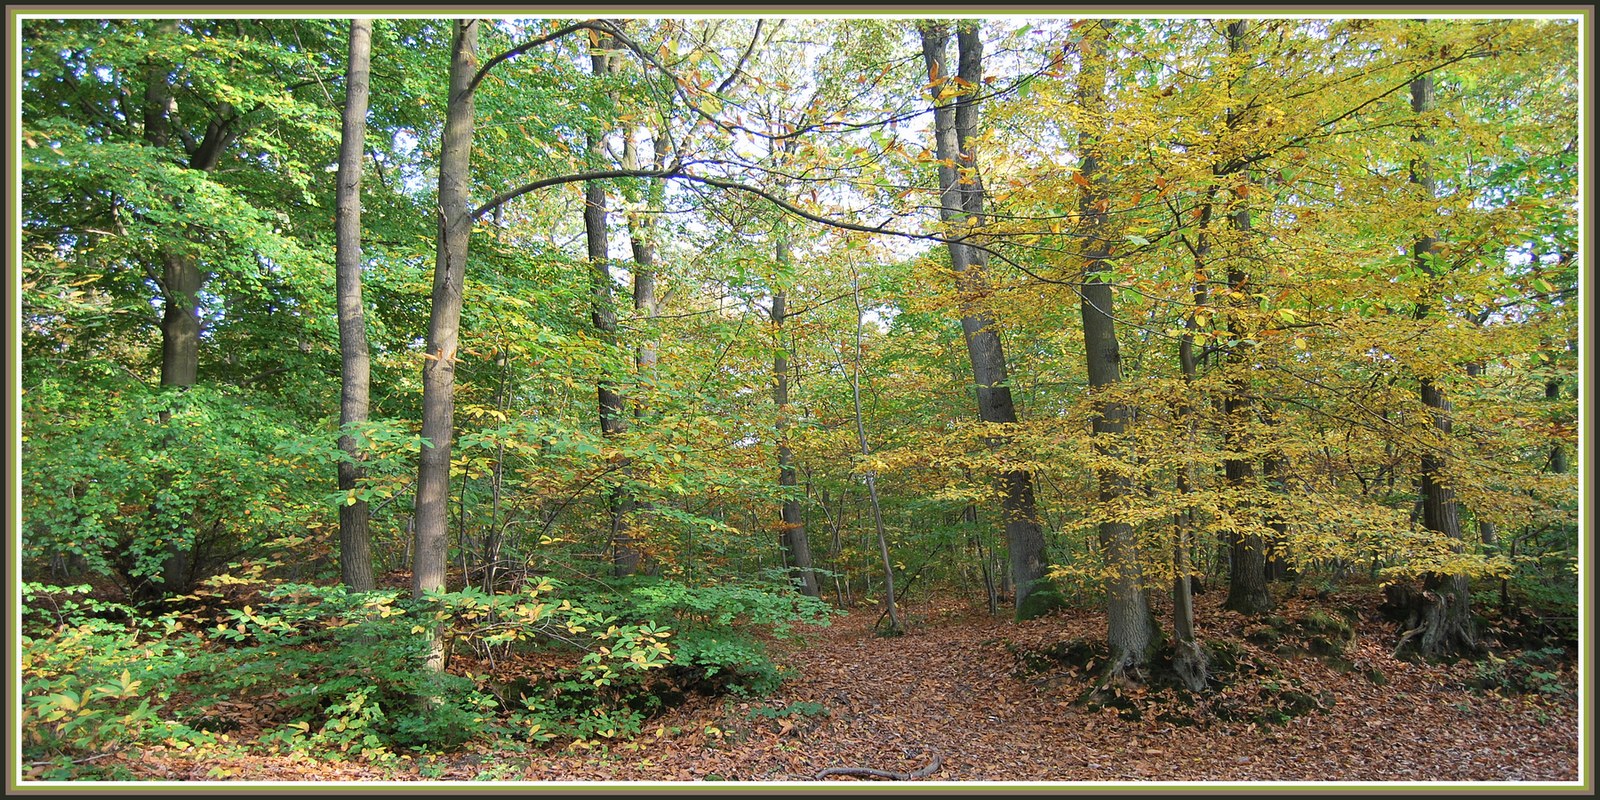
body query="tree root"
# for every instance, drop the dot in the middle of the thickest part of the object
(932, 767)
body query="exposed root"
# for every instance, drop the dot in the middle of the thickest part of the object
(1192, 666)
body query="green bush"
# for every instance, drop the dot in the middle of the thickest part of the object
(715, 649)
(90, 685)
(113, 488)
(350, 668)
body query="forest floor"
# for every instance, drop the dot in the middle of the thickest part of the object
(994, 700)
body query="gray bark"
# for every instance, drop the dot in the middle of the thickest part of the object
(1131, 628)
(1247, 581)
(444, 324)
(625, 556)
(1189, 659)
(954, 144)
(1445, 624)
(181, 283)
(355, 538)
(796, 545)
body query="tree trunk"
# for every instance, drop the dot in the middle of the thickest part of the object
(895, 626)
(603, 312)
(181, 283)
(1441, 625)
(1130, 625)
(955, 131)
(1247, 582)
(646, 307)
(444, 323)
(1275, 471)
(796, 546)
(1189, 659)
(355, 538)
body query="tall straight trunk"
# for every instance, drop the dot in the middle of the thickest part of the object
(895, 626)
(1441, 625)
(355, 538)
(1275, 473)
(444, 325)
(625, 555)
(955, 132)
(1131, 628)
(646, 306)
(1247, 582)
(1189, 659)
(796, 546)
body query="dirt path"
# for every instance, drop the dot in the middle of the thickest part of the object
(950, 689)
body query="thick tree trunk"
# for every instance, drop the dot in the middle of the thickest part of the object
(796, 546)
(1441, 624)
(355, 538)
(1247, 582)
(182, 280)
(444, 323)
(1131, 627)
(955, 131)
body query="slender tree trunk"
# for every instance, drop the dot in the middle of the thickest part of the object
(646, 307)
(603, 313)
(895, 626)
(796, 546)
(1131, 627)
(1247, 581)
(1189, 659)
(444, 326)
(355, 538)
(961, 202)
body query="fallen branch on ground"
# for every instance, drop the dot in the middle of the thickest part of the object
(932, 767)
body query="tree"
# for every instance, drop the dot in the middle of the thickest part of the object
(1131, 628)
(1247, 578)
(796, 547)
(355, 537)
(1441, 617)
(961, 205)
(444, 323)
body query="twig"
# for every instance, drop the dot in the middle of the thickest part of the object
(83, 760)
(932, 767)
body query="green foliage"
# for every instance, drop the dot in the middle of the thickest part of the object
(115, 487)
(90, 685)
(716, 643)
(350, 669)
(1536, 671)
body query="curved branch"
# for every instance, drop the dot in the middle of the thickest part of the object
(483, 71)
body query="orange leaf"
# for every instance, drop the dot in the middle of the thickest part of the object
(1077, 177)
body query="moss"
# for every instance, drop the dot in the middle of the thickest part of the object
(1377, 677)
(1325, 624)
(1041, 602)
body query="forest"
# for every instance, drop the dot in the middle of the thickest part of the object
(1050, 399)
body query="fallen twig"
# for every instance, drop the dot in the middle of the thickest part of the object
(932, 767)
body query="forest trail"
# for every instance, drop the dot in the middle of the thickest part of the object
(954, 688)
(951, 688)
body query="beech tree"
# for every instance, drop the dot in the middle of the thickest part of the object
(355, 537)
